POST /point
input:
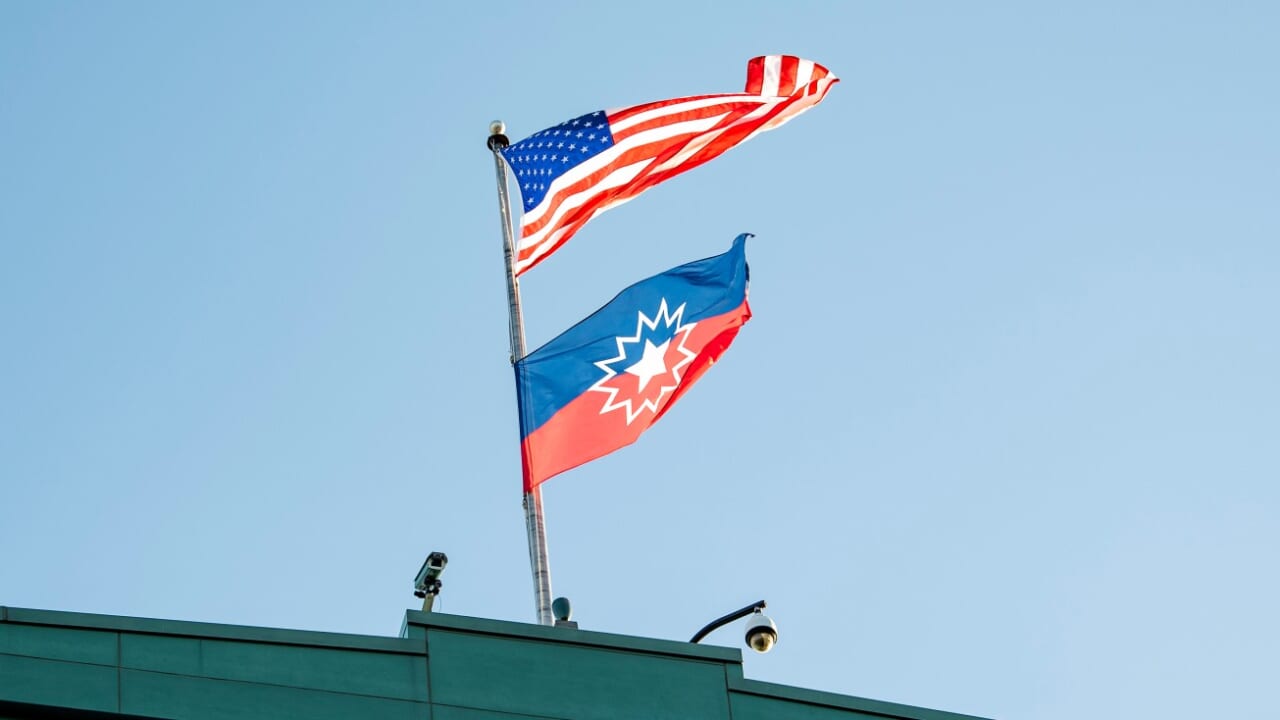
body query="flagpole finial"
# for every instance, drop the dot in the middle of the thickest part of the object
(497, 138)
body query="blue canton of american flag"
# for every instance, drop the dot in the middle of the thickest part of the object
(544, 156)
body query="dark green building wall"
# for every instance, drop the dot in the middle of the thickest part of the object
(443, 667)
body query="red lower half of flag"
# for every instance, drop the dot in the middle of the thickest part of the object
(613, 415)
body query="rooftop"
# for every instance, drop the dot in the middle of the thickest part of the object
(443, 667)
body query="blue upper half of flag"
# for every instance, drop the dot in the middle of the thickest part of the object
(544, 156)
(626, 335)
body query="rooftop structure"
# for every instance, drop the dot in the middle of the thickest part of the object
(442, 667)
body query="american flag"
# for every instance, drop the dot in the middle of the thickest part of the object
(576, 170)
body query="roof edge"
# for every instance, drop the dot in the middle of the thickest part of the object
(739, 684)
(673, 648)
(186, 628)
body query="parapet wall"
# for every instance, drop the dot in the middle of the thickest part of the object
(443, 667)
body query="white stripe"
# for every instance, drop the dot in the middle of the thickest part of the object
(699, 103)
(699, 143)
(797, 107)
(783, 117)
(772, 73)
(804, 73)
(807, 101)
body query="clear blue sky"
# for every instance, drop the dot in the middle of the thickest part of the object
(1000, 439)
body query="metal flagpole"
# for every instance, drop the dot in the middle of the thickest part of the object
(534, 524)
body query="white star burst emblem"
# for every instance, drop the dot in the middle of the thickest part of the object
(658, 369)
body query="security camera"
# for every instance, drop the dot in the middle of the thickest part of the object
(427, 583)
(761, 632)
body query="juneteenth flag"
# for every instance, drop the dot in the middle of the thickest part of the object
(604, 381)
(576, 170)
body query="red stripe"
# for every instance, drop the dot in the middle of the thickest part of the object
(729, 138)
(787, 78)
(755, 75)
(736, 131)
(616, 116)
(579, 433)
(683, 116)
(716, 147)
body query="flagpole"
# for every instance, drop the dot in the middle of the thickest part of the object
(535, 526)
